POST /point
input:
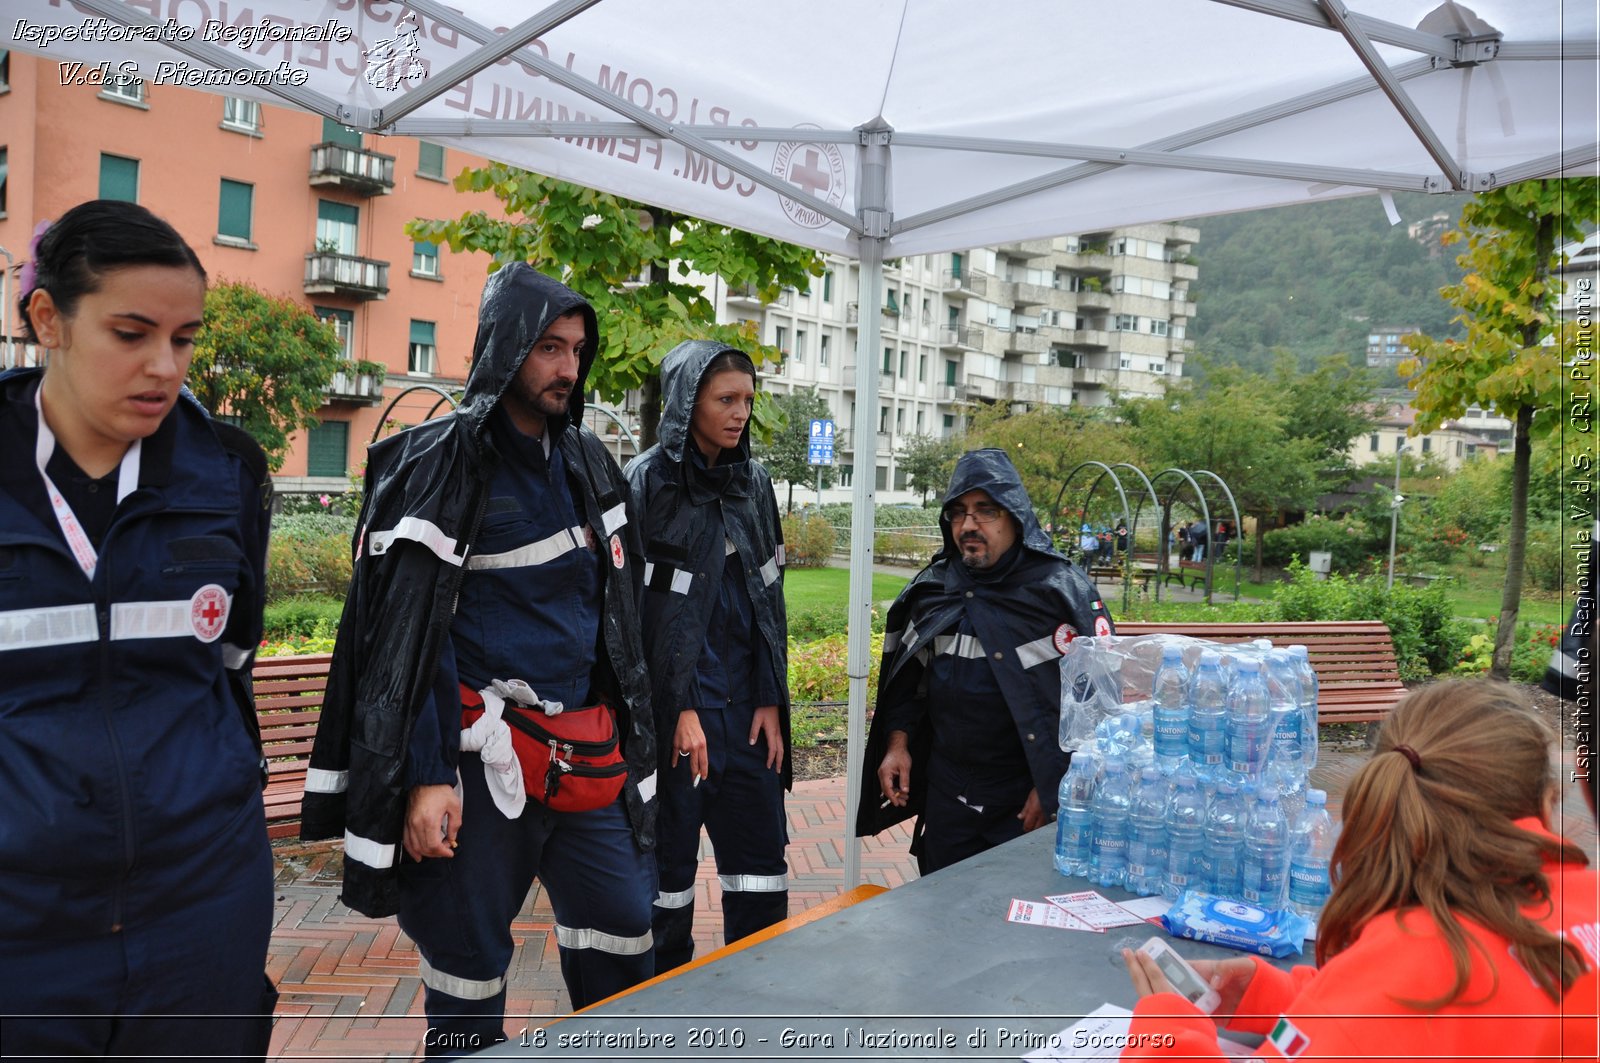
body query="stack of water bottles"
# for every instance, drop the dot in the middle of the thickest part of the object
(1202, 785)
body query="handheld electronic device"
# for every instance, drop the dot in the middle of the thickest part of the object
(1184, 978)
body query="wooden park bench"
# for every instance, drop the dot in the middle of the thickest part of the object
(1358, 678)
(289, 693)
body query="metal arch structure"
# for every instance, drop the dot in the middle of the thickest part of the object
(1166, 506)
(622, 426)
(1238, 537)
(1127, 514)
(444, 397)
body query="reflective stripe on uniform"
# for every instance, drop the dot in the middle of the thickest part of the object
(236, 658)
(958, 645)
(323, 781)
(647, 787)
(674, 579)
(420, 531)
(155, 620)
(542, 552)
(1038, 651)
(61, 625)
(769, 571)
(366, 851)
(753, 883)
(614, 518)
(588, 938)
(460, 988)
(782, 555)
(680, 899)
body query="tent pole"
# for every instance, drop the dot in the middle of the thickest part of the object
(872, 166)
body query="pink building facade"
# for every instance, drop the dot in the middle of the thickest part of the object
(298, 207)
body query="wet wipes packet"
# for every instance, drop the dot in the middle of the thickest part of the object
(1236, 925)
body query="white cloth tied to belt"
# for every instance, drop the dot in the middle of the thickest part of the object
(490, 738)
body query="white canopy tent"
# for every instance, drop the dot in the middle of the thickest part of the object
(883, 128)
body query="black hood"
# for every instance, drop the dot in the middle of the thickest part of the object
(989, 470)
(681, 372)
(518, 304)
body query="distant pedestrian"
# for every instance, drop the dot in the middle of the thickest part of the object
(1198, 536)
(1185, 545)
(1122, 538)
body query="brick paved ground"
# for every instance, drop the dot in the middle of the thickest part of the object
(349, 984)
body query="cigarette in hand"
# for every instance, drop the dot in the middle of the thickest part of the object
(887, 801)
(696, 780)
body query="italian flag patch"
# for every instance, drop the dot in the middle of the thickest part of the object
(1288, 1039)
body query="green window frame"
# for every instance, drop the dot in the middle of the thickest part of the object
(328, 449)
(430, 160)
(119, 178)
(234, 202)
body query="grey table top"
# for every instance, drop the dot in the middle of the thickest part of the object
(930, 970)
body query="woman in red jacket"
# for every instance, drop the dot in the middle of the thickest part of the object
(1459, 925)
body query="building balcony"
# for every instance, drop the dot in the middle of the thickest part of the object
(946, 392)
(1020, 391)
(961, 337)
(362, 383)
(970, 281)
(1183, 308)
(1091, 258)
(1086, 337)
(330, 273)
(1029, 249)
(1097, 378)
(1026, 341)
(978, 389)
(890, 321)
(746, 295)
(357, 170)
(1185, 271)
(1039, 295)
(1093, 300)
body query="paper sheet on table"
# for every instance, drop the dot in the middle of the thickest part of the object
(1039, 913)
(1101, 1035)
(1102, 913)
(1150, 909)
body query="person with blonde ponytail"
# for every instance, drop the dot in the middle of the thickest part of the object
(1460, 926)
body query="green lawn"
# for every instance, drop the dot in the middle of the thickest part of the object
(824, 588)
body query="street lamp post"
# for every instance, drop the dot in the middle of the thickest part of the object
(1394, 511)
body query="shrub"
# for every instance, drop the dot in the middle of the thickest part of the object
(1530, 653)
(818, 672)
(807, 541)
(1543, 559)
(304, 616)
(1349, 541)
(309, 553)
(1428, 640)
(901, 547)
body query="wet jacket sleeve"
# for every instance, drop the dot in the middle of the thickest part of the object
(433, 751)
(242, 635)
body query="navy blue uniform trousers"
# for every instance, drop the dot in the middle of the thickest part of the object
(741, 805)
(599, 883)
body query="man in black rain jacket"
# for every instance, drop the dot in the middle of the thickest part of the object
(494, 546)
(716, 636)
(969, 696)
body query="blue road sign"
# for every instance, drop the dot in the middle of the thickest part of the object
(819, 449)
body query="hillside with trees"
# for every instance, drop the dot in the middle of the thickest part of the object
(1314, 279)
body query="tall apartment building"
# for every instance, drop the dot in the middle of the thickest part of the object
(1386, 345)
(1073, 320)
(297, 206)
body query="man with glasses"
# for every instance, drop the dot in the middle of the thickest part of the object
(969, 695)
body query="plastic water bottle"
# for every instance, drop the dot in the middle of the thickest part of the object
(1248, 720)
(1310, 853)
(1308, 705)
(1287, 772)
(1266, 851)
(1224, 847)
(1186, 826)
(1074, 815)
(1113, 801)
(1283, 702)
(1208, 708)
(1169, 696)
(1147, 834)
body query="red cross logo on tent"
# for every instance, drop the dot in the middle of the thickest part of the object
(208, 612)
(817, 171)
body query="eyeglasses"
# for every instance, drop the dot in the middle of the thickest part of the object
(982, 513)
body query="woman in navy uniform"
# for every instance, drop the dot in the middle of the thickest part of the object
(135, 872)
(717, 640)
